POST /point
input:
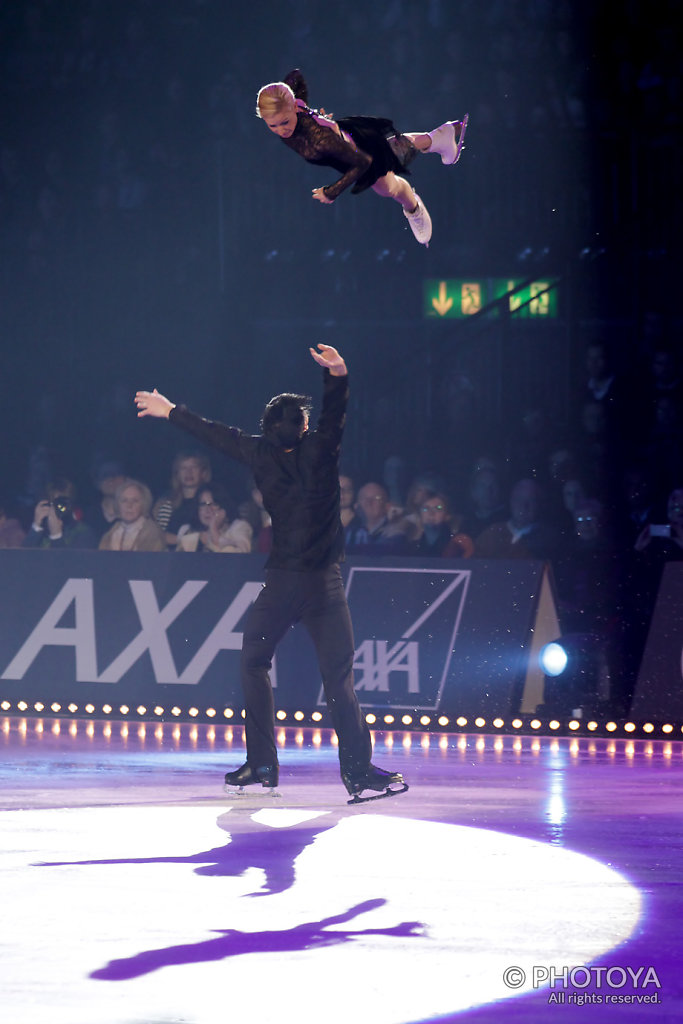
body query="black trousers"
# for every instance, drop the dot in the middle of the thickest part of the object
(317, 600)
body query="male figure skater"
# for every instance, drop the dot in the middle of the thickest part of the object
(297, 472)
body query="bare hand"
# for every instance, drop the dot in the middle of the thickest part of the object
(330, 359)
(45, 510)
(319, 194)
(151, 403)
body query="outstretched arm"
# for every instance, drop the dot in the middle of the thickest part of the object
(151, 403)
(329, 358)
(229, 440)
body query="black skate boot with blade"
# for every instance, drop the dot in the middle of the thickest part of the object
(373, 778)
(266, 775)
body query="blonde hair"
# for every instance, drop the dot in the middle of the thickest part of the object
(273, 98)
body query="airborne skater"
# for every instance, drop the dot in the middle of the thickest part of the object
(368, 151)
(297, 472)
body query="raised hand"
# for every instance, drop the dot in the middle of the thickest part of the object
(152, 403)
(330, 359)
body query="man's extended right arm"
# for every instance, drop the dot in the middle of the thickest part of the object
(229, 440)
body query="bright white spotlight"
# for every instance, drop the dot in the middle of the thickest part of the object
(553, 659)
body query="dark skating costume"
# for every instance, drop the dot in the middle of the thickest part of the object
(300, 491)
(375, 147)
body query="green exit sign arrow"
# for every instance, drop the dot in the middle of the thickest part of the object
(456, 298)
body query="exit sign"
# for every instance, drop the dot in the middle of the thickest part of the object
(455, 298)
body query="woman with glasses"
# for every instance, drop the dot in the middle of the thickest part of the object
(439, 538)
(219, 534)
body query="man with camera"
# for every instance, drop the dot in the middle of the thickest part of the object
(54, 523)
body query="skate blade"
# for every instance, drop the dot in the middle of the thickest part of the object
(244, 792)
(460, 145)
(356, 799)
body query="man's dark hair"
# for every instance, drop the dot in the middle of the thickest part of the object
(283, 419)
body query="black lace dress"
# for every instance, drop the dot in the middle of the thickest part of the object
(376, 146)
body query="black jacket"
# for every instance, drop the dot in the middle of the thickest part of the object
(300, 488)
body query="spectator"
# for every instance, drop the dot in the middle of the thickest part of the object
(664, 542)
(586, 576)
(525, 534)
(218, 533)
(665, 375)
(178, 512)
(607, 390)
(600, 374)
(370, 528)
(438, 538)
(134, 529)
(484, 506)
(410, 523)
(55, 523)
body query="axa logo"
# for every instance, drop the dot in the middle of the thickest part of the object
(406, 623)
(76, 600)
(376, 660)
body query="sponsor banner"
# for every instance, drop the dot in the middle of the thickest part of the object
(433, 635)
(659, 689)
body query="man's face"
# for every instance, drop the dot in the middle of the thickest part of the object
(373, 503)
(524, 505)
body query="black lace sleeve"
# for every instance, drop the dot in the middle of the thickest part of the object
(321, 145)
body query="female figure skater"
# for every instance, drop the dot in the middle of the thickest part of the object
(367, 151)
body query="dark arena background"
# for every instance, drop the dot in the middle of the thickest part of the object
(524, 369)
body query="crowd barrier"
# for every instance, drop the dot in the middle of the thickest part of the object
(164, 630)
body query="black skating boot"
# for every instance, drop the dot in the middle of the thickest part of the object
(267, 775)
(372, 778)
